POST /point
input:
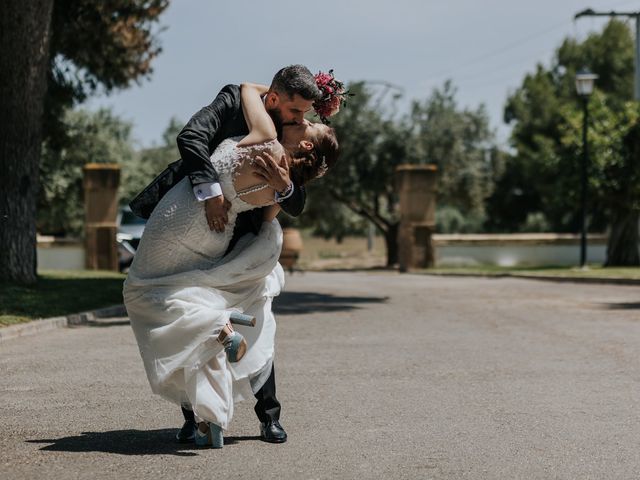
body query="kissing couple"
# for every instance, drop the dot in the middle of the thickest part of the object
(200, 289)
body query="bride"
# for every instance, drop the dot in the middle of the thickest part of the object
(181, 289)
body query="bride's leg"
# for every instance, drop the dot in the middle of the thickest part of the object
(209, 435)
(226, 331)
(203, 428)
(235, 346)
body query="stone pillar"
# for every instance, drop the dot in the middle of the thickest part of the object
(100, 183)
(417, 187)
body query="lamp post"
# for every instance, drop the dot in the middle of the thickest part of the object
(584, 86)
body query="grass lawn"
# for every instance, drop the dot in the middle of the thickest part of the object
(59, 293)
(592, 271)
(352, 253)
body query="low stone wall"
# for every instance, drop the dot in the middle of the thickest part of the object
(451, 250)
(60, 253)
(508, 250)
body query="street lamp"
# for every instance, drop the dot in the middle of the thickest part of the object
(584, 82)
(584, 86)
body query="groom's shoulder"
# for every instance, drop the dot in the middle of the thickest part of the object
(231, 91)
(228, 97)
(231, 87)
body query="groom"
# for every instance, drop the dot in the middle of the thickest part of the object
(292, 93)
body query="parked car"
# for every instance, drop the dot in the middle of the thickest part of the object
(130, 228)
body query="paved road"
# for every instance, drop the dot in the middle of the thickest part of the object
(380, 375)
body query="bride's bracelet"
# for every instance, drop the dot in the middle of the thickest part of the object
(286, 193)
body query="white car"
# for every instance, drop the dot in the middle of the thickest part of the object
(130, 228)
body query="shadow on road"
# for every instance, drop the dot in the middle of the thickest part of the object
(108, 323)
(296, 303)
(131, 442)
(621, 306)
(122, 442)
(235, 440)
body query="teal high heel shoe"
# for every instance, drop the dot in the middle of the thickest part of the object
(238, 318)
(213, 438)
(235, 346)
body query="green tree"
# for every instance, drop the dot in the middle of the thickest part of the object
(543, 176)
(325, 216)
(73, 47)
(460, 143)
(138, 170)
(614, 170)
(99, 137)
(374, 142)
(97, 47)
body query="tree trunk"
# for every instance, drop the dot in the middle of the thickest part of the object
(391, 242)
(622, 247)
(24, 62)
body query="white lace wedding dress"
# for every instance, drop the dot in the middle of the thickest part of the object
(181, 290)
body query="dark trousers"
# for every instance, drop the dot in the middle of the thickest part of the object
(267, 408)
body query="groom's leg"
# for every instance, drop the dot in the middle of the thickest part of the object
(187, 433)
(268, 407)
(188, 415)
(268, 411)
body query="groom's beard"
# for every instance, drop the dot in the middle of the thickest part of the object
(276, 116)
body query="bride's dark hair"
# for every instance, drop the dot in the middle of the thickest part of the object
(309, 164)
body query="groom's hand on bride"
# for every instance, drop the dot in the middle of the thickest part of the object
(216, 209)
(275, 174)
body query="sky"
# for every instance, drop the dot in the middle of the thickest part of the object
(484, 46)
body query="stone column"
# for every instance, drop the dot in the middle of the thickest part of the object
(417, 188)
(100, 183)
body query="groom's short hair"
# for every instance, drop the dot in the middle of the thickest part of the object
(296, 79)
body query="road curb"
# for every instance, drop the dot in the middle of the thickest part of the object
(72, 320)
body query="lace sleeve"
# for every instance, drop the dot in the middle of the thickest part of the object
(250, 152)
(228, 157)
(272, 147)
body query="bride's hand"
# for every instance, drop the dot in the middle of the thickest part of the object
(215, 209)
(275, 174)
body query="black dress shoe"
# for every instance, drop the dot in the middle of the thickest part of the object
(273, 432)
(187, 434)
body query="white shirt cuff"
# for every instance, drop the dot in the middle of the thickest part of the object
(203, 191)
(287, 193)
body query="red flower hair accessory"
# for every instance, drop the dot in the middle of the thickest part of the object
(333, 95)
